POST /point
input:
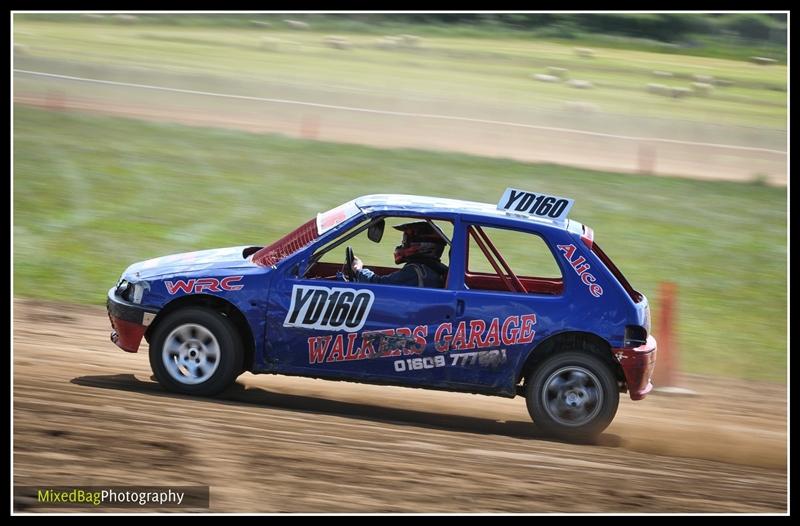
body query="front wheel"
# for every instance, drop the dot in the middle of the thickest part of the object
(572, 395)
(196, 351)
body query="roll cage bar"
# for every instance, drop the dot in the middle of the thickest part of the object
(487, 247)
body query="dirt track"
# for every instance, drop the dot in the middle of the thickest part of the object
(547, 146)
(87, 413)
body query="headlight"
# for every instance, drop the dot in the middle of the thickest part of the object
(123, 289)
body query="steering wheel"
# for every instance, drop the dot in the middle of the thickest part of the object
(349, 257)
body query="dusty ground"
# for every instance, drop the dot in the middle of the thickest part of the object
(87, 413)
(489, 140)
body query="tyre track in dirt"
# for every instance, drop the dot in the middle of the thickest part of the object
(87, 413)
(487, 140)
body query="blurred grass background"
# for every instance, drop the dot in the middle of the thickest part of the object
(94, 194)
(490, 73)
(721, 35)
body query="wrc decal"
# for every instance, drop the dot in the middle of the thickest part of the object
(198, 285)
(582, 269)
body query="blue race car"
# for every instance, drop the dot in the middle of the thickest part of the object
(528, 304)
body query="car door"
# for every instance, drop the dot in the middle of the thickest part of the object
(362, 331)
(501, 315)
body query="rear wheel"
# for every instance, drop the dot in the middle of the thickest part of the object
(196, 351)
(572, 395)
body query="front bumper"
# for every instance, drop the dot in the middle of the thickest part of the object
(638, 364)
(128, 321)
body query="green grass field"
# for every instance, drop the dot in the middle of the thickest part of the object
(95, 194)
(701, 45)
(468, 70)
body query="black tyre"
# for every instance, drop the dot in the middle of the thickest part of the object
(196, 351)
(572, 395)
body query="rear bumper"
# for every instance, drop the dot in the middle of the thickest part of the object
(638, 364)
(128, 321)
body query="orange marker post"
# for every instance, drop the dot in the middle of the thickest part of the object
(667, 360)
(309, 128)
(647, 158)
(55, 100)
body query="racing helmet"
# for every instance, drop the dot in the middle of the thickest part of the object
(420, 240)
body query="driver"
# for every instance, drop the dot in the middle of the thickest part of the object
(421, 251)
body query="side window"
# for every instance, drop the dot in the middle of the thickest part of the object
(376, 257)
(510, 261)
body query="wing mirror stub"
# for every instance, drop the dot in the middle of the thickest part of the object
(375, 231)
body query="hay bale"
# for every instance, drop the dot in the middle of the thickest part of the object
(581, 107)
(270, 44)
(763, 61)
(337, 42)
(658, 89)
(409, 41)
(584, 52)
(659, 73)
(260, 23)
(93, 16)
(702, 88)
(21, 49)
(708, 79)
(545, 78)
(680, 93)
(126, 19)
(558, 72)
(291, 45)
(297, 24)
(580, 84)
(385, 43)
(388, 42)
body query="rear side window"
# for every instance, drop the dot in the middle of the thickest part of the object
(496, 256)
(527, 254)
(635, 295)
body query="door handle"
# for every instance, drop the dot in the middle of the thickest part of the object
(459, 307)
